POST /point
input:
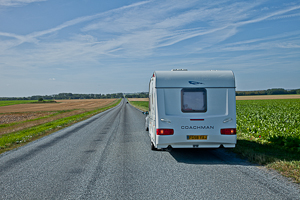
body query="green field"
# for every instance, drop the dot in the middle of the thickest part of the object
(8, 103)
(274, 122)
(142, 105)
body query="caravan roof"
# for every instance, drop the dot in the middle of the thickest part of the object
(194, 78)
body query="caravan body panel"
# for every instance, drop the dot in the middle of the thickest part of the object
(196, 105)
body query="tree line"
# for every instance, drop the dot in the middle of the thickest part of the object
(273, 91)
(138, 95)
(66, 96)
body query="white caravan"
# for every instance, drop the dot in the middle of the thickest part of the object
(192, 109)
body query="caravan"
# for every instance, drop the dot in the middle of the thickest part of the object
(192, 109)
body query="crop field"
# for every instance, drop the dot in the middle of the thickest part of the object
(271, 121)
(18, 116)
(268, 133)
(21, 123)
(262, 97)
(60, 105)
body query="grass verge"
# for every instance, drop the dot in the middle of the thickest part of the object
(16, 139)
(142, 105)
(286, 162)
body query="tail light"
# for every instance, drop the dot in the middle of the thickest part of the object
(228, 131)
(164, 131)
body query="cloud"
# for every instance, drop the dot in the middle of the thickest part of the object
(17, 2)
(268, 16)
(141, 30)
(280, 41)
(163, 28)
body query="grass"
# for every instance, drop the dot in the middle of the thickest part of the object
(142, 105)
(16, 139)
(268, 133)
(8, 103)
(14, 102)
(286, 162)
(273, 121)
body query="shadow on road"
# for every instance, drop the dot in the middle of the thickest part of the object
(207, 157)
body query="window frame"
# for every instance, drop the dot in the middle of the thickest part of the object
(203, 90)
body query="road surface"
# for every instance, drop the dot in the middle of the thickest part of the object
(108, 157)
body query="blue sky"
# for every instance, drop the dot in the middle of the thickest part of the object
(99, 46)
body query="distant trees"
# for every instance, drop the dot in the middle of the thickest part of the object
(138, 95)
(273, 91)
(66, 96)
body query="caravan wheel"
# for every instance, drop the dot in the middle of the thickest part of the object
(153, 147)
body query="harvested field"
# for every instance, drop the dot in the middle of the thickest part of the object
(262, 97)
(138, 99)
(29, 115)
(60, 105)
(15, 117)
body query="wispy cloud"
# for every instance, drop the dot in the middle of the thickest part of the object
(269, 15)
(33, 36)
(220, 21)
(17, 2)
(140, 29)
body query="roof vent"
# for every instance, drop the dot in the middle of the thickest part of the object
(179, 70)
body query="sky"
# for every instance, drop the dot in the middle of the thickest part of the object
(100, 46)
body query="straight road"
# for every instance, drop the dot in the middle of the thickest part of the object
(108, 157)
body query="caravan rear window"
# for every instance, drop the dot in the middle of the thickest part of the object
(193, 100)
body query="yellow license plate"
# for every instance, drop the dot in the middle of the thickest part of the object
(197, 137)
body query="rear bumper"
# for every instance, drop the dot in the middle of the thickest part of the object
(181, 141)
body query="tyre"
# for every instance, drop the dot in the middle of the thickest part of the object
(153, 147)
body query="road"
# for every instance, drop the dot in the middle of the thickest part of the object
(108, 157)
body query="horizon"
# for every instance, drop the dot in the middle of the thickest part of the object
(127, 93)
(100, 47)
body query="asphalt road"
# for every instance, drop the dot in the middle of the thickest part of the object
(108, 157)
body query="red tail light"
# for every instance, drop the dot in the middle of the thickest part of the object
(164, 131)
(228, 131)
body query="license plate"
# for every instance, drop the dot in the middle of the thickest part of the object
(197, 137)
